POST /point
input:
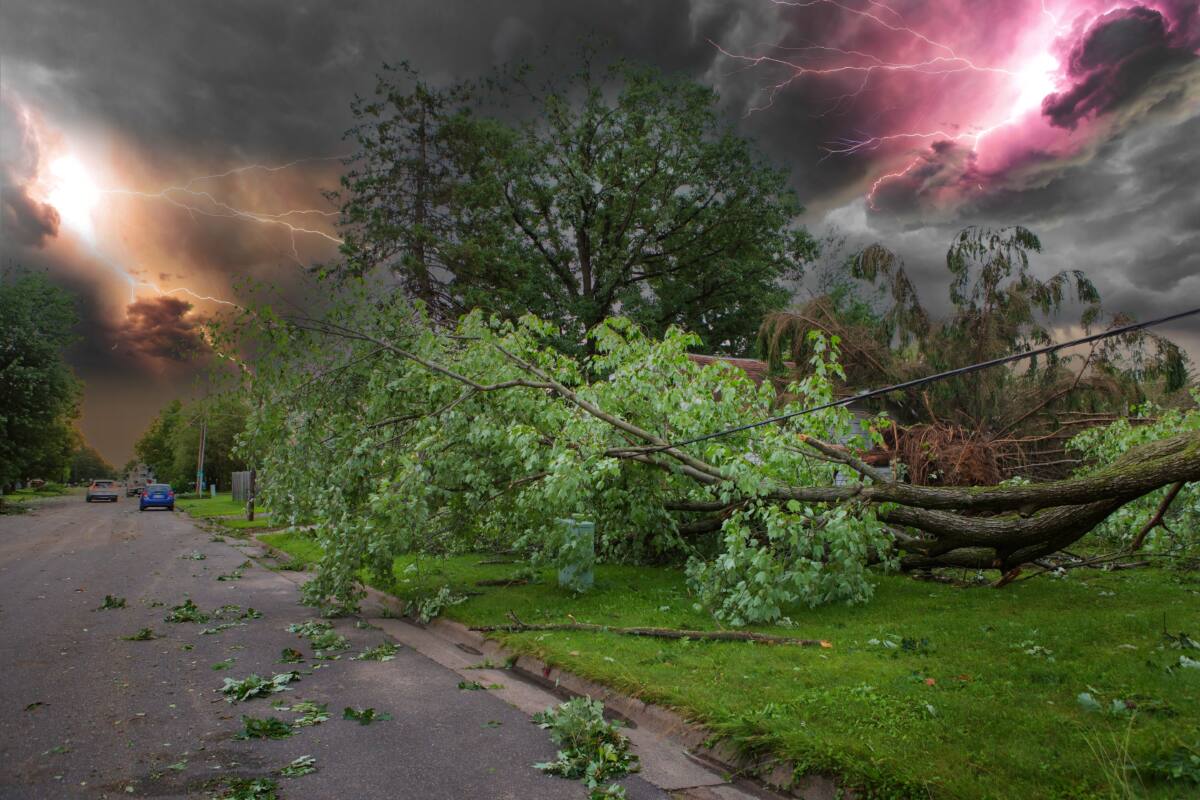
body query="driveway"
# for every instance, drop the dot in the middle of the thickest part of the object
(88, 713)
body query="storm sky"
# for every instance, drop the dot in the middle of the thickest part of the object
(156, 154)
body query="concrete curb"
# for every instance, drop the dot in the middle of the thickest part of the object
(658, 733)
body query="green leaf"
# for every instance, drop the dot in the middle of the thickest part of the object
(304, 765)
(365, 716)
(143, 635)
(268, 728)
(111, 602)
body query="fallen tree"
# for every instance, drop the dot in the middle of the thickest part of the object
(486, 435)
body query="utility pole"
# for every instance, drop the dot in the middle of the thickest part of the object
(200, 459)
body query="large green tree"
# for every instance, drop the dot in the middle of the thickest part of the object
(39, 395)
(623, 190)
(171, 443)
(156, 447)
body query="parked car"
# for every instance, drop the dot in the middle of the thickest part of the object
(157, 495)
(102, 490)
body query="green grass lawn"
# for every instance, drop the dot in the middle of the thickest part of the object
(929, 689)
(49, 490)
(204, 507)
(20, 499)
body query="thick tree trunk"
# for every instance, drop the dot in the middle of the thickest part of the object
(1005, 527)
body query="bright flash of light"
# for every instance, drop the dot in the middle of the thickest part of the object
(74, 195)
(1034, 82)
(68, 185)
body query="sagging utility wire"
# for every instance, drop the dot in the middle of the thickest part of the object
(967, 370)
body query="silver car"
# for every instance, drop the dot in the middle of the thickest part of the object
(102, 490)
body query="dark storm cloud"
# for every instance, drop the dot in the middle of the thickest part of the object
(162, 327)
(28, 221)
(1128, 216)
(1119, 55)
(944, 169)
(197, 88)
(275, 77)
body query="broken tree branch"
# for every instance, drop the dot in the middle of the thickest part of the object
(517, 626)
(1157, 519)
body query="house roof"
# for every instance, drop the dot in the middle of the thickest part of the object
(755, 370)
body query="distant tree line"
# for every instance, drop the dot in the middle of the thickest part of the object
(170, 445)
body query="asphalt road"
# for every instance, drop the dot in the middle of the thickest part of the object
(86, 713)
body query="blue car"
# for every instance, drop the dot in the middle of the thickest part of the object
(157, 495)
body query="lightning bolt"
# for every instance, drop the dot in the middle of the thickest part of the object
(205, 203)
(818, 61)
(938, 65)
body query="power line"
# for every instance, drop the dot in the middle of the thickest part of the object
(982, 365)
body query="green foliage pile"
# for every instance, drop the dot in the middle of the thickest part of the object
(248, 789)
(252, 686)
(365, 716)
(187, 611)
(268, 728)
(143, 635)
(111, 602)
(297, 767)
(384, 651)
(590, 748)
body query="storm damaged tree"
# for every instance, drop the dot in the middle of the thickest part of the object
(992, 424)
(396, 436)
(621, 190)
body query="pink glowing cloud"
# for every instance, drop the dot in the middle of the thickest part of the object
(952, 99)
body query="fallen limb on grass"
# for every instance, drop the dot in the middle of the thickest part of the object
(517, 626)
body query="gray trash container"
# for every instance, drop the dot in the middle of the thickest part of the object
(577, 556)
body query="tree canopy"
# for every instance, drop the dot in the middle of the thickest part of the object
(39, 395)
(622, 191)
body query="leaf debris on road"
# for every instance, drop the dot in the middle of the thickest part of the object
(304, 765)
(255, 685)
(187, 611)
(143, 635)
(268, 728)
(365, 716)
(382, 652)
(111, 601)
